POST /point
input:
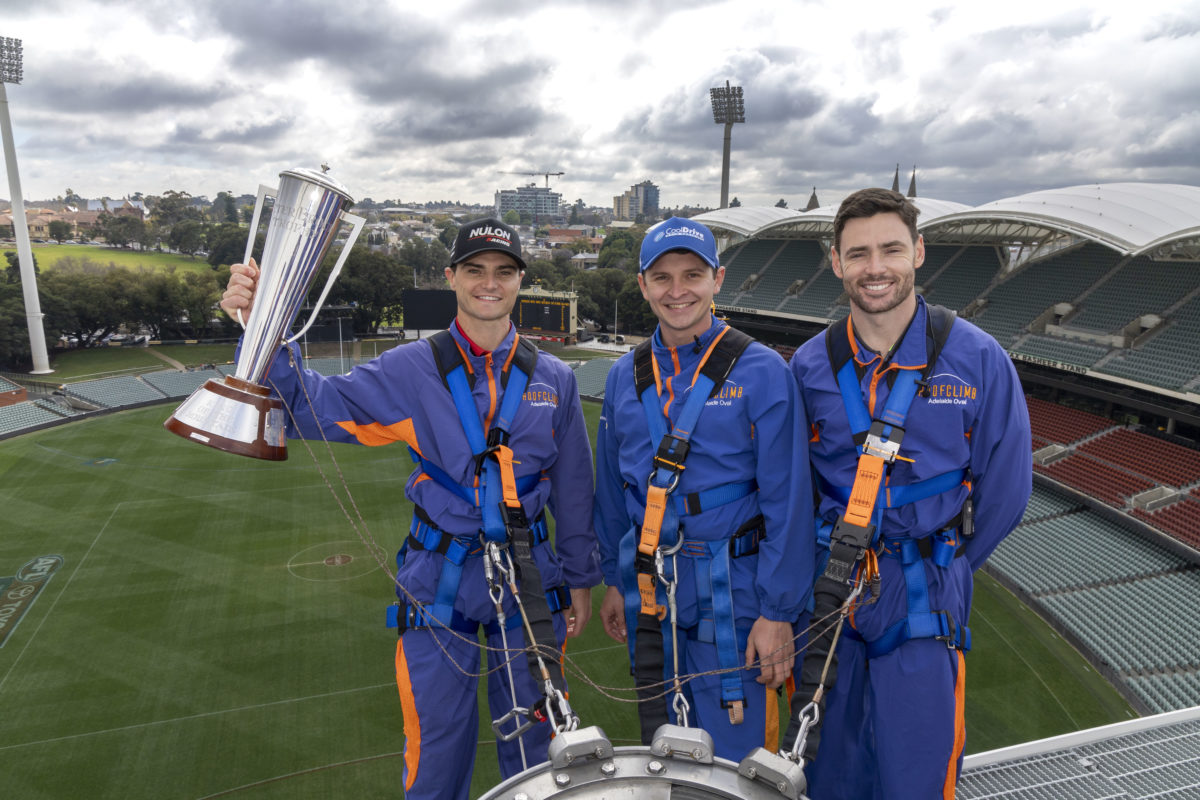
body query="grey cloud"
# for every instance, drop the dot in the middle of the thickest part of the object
(81, 88)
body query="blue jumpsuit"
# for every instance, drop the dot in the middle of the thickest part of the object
(744, 433)
(400, 397)
(893, 725)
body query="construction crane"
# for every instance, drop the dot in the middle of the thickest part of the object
(547, 174)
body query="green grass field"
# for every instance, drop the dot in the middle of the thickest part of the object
(195, 644)
(48, 255)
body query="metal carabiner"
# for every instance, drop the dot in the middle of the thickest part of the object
(808, 717)
(670, 487)
(516, 712)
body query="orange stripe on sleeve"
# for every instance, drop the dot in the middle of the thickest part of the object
(412, 723)
(960, 727)
(376, 433)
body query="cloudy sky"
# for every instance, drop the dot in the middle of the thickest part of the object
(420, 101)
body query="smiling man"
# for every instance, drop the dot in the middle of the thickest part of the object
(497, 430)
(704, 519)
(920, 447)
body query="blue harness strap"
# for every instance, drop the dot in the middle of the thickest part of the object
(888, 429)
(712, 569)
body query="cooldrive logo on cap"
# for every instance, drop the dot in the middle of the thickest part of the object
(680, 231)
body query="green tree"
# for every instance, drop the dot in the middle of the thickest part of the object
(781, 204)
(735, 203)
(371, 281)
(96, 299)
(512, 217)
(225, 208)
(446, 233)
(59, 230)
(227, 245)
(186, 236)
(620, 249)
(598, 290)
(12, 272)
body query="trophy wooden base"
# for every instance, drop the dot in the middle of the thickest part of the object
(235, 416)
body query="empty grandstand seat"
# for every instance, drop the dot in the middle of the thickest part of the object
(1054, 423)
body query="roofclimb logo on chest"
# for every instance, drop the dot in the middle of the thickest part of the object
(954, 390)
(540, 395)
(726, 395)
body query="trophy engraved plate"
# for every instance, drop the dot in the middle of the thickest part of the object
(237, 413)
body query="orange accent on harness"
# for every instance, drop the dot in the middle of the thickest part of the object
(865, 490)
(656, 496)
(504, 455)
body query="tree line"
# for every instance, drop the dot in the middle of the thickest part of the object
(84, 300)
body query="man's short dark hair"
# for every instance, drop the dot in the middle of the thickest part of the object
(869, 202)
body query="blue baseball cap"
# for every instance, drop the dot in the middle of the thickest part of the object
(678, 233)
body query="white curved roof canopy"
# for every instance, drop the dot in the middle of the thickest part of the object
(745, 220)
(1132, 218)
(752, 221)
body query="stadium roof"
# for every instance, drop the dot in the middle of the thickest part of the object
(1155, 219)
(1161, 220)
(786, 223)
(1150, 757)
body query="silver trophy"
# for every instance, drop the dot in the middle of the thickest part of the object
(237, 413)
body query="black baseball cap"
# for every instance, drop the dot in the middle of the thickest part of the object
(486, 234)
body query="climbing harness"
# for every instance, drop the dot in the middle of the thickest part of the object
(506, 539)
(650, 552)
(855, 536)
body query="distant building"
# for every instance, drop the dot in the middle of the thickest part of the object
(537, 201)
(641, 199)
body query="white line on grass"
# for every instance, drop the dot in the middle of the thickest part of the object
(1030, 666)
(201, 715)
(66, 586)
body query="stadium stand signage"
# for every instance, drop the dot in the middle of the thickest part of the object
(1049, 362)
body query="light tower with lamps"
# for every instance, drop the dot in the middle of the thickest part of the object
(10, 72)
(728, 107)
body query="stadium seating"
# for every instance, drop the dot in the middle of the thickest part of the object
(817, 297)
(1066, 351)
(1139, 287)
(797, 259)
(1180, 519)
(62, 409)
(173, 383)
(970, 271)
(1015, 302)
(1054, 423)
(1161, 461)
(115, 392)
(1105, 482)
(592, 375)
(749, 259)
(24, 415)
(8, 386)
(1170, 358)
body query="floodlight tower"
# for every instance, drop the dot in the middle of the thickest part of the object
(728, 107)
(10, 72)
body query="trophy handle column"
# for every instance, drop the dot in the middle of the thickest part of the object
(264, 192)
(358, 223)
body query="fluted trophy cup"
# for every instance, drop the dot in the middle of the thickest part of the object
(237, 413)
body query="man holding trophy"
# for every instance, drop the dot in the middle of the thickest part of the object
(498, 432)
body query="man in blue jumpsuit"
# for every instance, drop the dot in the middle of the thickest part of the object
(742, 503)
(893, 724)
(400, 397)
